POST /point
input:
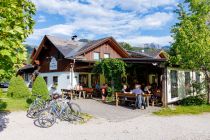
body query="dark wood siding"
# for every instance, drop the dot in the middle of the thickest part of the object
(105, 48)
(49, 50)
(45, 57)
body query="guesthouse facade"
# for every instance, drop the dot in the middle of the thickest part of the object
(66, 63)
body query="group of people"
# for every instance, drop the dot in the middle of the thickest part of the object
(139, 94)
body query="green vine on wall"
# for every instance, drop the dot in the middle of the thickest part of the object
(112, 69)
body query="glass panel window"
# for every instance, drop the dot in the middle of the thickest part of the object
(106, 55)
(187, 83)
(174, 84)
(96, 56)
(198, 77)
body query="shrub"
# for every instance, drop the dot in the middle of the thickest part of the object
(193, 100)
(1, 92)
(18, 88)
(40, 88)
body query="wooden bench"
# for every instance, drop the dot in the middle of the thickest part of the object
(125, 97)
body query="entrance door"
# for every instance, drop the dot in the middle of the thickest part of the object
(83, 80)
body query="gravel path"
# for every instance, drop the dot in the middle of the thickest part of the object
(111, 112)
(110, 123)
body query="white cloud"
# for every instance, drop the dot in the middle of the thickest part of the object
(139, 40)
(98, 18)
(41, 18)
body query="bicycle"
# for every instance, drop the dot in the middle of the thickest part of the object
(36, 107)
(61, 109)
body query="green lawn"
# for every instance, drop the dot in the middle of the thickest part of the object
(10, 104)
(182, 110)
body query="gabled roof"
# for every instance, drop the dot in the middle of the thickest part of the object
(71, 49)
(156, 54)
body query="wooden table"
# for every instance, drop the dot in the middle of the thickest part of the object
(73, 92)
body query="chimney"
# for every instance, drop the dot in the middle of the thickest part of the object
(73, 37)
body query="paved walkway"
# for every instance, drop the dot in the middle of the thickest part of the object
(111, 112)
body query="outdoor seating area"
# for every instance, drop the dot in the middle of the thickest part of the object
(73, 93)
(122, 98)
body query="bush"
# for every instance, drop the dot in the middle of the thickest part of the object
(18, 88)
(1, 92)
(193, 100)
(40, 88)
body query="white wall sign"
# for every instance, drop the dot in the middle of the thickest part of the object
(53, 64)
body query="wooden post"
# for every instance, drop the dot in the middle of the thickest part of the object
(116, 99)
(164, 88)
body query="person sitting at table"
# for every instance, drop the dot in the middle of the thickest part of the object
(104, 92)
(147, 89)
(126, 89)
(139, 97)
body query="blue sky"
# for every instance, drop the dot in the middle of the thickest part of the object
(132, 21)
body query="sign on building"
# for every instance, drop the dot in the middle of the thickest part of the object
(53, 64)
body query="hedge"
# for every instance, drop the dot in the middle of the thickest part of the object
(18, 88)
(40, 88)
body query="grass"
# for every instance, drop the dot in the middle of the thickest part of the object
(11, 104)
(86, 117)
(183, 110)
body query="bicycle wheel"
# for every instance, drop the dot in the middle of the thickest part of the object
(75, 109)
(46, 118)
(73, 112)
(32, 112)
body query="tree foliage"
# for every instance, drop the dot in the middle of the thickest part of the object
(127, 46)
(40, 87)
(112, 69)
(18, 88)
(191, 47)
(16, 24)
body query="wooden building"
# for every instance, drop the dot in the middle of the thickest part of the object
(65, 63)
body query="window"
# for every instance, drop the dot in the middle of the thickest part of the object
(197, 75)
(106, 55)
(174, 84)
(45, 78)
(55, 80)
(187, 83)
(96, 56)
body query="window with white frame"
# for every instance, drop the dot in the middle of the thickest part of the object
(106, 55)
(96, 56)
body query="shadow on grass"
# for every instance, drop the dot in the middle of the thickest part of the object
(3, 116)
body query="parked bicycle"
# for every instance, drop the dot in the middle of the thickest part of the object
(35, 107)
(61, 109)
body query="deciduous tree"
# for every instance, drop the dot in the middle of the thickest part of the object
(16, 23)
(191, 47)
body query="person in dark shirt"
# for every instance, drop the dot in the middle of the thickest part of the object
(126, 89)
